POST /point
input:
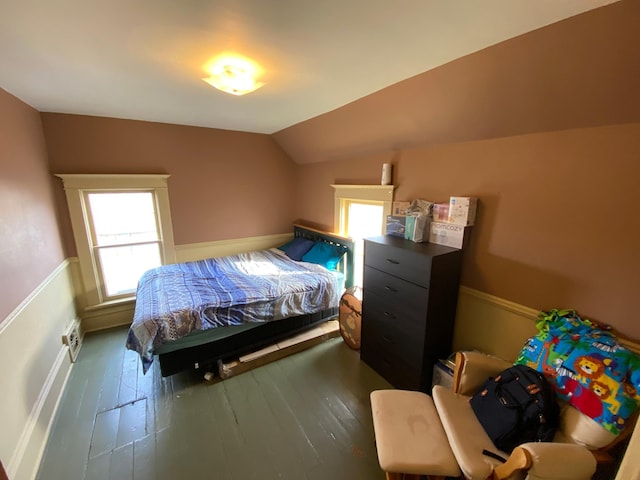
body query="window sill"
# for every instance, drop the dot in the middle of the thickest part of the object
(110, 314)
(112, 304)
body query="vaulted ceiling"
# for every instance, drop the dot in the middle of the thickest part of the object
(144, 60)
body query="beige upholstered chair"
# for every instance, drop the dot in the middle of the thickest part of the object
(572, 455)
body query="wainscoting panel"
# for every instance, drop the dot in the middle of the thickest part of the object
(34, 365)
(491, 324)
(101, 318)
(221, 248)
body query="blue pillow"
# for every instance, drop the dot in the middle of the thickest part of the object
(297, 247)
(324, 254)
(285, 246)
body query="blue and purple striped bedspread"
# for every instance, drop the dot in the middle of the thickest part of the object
(259, 286)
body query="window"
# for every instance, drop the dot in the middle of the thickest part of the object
(360, 211)
(122, 227)
(125, 238)
(363, 220)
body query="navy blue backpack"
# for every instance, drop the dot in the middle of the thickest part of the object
(516, 407)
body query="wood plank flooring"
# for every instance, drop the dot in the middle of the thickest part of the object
(304, 417)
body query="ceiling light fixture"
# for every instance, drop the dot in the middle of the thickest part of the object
(233, 75)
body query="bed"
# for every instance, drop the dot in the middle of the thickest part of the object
(191, 315)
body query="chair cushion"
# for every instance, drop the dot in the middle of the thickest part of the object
(466, 436)
(474, 367)
(575, 427)
(409, 435)
(559, 461)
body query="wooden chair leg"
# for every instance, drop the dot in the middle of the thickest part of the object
(519, 459)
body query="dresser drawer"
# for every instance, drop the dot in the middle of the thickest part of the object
(393, 334)
(404, 297)
(403, 263)
(391, 367)
(395, 315)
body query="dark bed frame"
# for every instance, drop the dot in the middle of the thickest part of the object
(206, 356)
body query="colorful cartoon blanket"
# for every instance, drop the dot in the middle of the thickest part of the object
(590, 369)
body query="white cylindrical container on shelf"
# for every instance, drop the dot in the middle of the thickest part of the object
(386, 174)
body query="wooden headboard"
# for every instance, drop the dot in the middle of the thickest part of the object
(347, 263)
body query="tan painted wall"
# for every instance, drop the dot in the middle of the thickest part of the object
(558, 220)
(543, 128)
(224, 184)
(36, 299)
(30, 246)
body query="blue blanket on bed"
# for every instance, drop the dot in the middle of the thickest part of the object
(260, 286)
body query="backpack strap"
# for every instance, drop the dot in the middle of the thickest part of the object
(489, 453)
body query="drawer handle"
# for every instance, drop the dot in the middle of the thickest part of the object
(386, 339)
(395, 262)
(390, 315)
(391, 289)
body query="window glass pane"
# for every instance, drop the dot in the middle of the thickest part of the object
(122, 267)
(120, 218)
(364, 220)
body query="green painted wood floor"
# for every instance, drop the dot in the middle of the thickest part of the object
(306, 416)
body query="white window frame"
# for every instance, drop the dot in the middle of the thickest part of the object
(77, 187)
(346, 194)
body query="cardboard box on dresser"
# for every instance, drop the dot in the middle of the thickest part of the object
(460, 217)
(446, 224)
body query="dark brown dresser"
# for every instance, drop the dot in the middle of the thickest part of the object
(410, 294)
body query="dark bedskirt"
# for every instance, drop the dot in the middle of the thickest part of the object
(206, 355)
